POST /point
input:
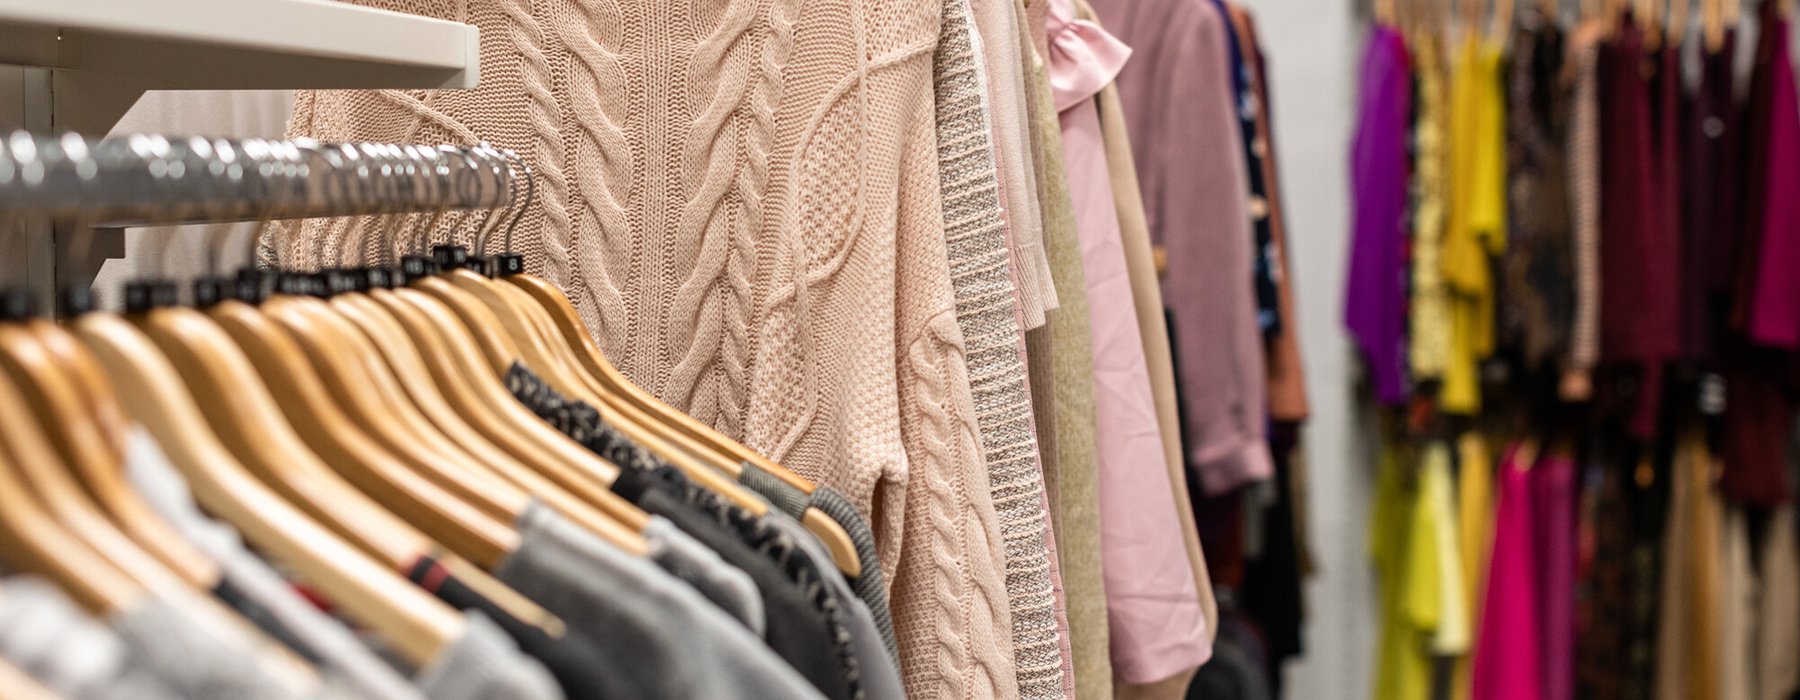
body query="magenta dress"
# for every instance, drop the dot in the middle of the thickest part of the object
(1507, 663)
(1775, 306)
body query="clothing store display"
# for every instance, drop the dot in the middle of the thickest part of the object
(650, 626)
(1195, 208)
(859, 350)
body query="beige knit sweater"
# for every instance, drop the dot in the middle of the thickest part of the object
(988, 312)
(742, 198)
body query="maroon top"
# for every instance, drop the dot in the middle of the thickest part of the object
(1637, 291)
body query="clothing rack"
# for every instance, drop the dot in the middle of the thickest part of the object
(79, 65)
(144, 179)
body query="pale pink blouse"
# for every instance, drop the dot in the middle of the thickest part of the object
(1154, 613)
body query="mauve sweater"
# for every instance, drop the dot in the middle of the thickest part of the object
(1178, 104)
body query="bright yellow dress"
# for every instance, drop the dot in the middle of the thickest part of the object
(1475, 229)
(1401, 538)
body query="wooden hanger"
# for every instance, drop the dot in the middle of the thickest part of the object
(247, 419)
(370, 384)
(488, 310)
(501, 352)
(1712, 18)
(344, 444)
(1386, 12)
(604, 379)
(560, 321)
(1500, 26)
(419, 626)
(47, 475)
(582, 500)
(88, 435)
(434, 327)
(535, 322)
(1676, 24)
(33, 541)
(572, 380)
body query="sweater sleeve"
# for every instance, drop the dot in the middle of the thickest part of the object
(942, 546)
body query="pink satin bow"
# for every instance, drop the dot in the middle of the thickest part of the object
(1083, 57)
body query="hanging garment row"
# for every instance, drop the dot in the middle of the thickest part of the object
(411, 477)
(1570, 282)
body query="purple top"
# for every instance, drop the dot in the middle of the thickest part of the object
(1375, 300)
(1775, 306)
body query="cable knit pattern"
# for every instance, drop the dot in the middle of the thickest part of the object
(986, 312)
(742, 199)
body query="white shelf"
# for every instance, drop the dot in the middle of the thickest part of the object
(240, 44)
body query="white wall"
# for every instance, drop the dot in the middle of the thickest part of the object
(1314, 50)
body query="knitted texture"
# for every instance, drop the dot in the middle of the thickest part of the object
(985, 295)
(869, 586)
(742, 199)
(1063, 369)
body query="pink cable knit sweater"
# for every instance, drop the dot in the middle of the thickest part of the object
(742, 198)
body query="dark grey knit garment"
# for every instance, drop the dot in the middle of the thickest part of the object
(486, 665)
(880, 672)
(192, 661)
(660, 638)
(46, 636)
(869, 587)
(687, 559)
